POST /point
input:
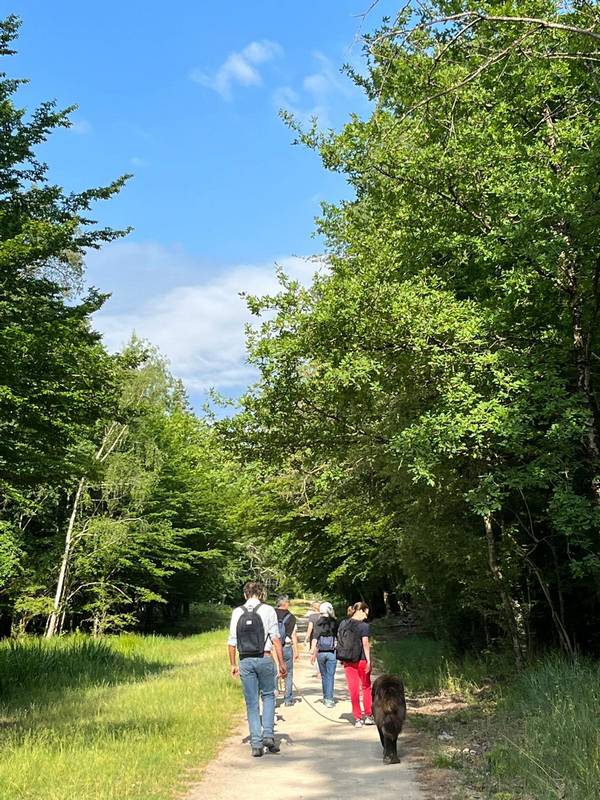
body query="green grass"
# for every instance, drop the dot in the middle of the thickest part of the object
(125, 718)
(547, 732)
(541, 728)
(203, 617)
(428, 666)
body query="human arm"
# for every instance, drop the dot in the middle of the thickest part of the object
(309, 631)
(367, 648)
(233, 667)
(232, 644)
(364, 633)
(278, 650)
(313, 651)
(272, 633)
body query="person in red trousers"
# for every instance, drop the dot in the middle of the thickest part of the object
(358, 673)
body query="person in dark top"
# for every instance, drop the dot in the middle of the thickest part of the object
(358, 673)
(289, 642)
(314, 615)
(323, 650)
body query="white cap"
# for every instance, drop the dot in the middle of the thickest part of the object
(327, 609)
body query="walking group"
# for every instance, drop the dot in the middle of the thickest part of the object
(263, 644)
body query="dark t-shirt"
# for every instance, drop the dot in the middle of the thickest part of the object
(290, 623)
(363, 630)
(313, 618)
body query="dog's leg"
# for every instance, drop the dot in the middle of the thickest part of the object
(390, 755)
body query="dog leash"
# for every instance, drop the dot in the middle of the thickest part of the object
(316, 710)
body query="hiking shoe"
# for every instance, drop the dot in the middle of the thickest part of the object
(288, 703)
(369, 720)
(358, 723)
(257, 752)
(329, 703)
(271, 746)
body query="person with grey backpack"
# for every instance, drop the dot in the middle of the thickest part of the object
(323, 648)
(254, 635)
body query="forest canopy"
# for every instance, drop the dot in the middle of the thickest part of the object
(430, 403)
(425, 427)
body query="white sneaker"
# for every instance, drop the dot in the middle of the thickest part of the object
(369, 721)
(358, 723)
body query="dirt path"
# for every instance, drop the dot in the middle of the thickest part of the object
(319, 760)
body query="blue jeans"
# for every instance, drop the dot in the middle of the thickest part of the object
(327, 664)
(258, 677)
(288, 656)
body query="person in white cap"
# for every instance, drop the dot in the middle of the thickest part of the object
(323, 650)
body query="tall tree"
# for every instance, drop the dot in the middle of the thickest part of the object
(446, 359)
(55, 376)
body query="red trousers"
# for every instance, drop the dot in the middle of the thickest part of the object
(357, 677)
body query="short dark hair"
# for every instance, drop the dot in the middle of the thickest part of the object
(254, 589)
(282, 598)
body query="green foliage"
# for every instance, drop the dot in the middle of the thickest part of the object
(428, 408)
(548, 733)
(431, 666)
(73, 706)
(56, 379)
(115, 499)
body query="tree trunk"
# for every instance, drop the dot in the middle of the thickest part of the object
(53, 619)
(563, 636)
(112, 438)
(512, 625)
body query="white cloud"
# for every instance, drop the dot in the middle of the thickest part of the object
(239, 67)
(325, 81)
(317, 95)
(199, 327)
(80, 127)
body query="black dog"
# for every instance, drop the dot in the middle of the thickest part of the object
(389, 711)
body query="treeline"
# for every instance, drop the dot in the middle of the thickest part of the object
(115, 499)
(427, 420)
(425, 429)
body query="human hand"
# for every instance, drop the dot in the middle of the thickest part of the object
(234, 670)
(313, 658)
(368, 667)
(282, 671)
(297, 655)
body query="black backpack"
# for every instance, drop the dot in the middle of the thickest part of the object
(250, 633)
(281, 623)
(349, 642)
(324, 633)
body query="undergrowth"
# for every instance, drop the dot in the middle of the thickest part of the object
(533, 736)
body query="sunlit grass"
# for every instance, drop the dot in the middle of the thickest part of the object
(548, 732)
(541, 727)
(127, 718)
(429, 666)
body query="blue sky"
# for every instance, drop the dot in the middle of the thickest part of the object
(185, 95)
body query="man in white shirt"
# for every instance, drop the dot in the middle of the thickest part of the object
(254, 633)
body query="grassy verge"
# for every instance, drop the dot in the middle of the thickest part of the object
(546, 736)
(533, 736)
(428, 666)
(128, 717)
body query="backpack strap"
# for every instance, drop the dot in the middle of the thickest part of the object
(283, 621)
